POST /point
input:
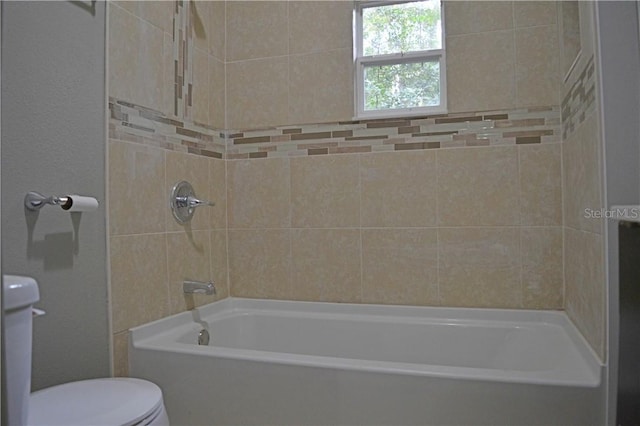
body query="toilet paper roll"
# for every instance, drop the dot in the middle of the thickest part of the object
(79, 203)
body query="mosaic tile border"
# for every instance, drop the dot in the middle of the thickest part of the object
(580, 100)
(132, 123)
(182, 61)
(488, 128)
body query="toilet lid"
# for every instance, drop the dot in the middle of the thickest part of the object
(118, 401)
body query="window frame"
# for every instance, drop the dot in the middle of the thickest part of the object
(361, 62)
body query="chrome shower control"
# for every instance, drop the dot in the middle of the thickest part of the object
(183, 202)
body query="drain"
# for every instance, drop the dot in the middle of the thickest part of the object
(203, 337)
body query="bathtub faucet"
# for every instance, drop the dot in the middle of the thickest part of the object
(197, 287)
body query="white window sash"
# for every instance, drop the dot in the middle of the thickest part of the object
(402, 58)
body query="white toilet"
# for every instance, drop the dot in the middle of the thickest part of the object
(112, 402)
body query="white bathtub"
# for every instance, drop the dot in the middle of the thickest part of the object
(279, 362)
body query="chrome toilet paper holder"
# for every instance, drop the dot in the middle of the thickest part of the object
(35, 201)
(183, 202)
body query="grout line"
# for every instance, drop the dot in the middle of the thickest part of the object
(166, 245)
(520, 226)
(290, 229)
(359, 159)
(226, 86)
(516, 100)
(438, 293)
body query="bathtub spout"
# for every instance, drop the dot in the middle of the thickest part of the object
(197, 287)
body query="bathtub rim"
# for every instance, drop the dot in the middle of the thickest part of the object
(161, 335)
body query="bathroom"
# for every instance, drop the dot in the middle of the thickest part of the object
(121, 100)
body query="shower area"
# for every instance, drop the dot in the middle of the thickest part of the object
(252, 103)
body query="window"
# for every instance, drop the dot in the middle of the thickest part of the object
(400, 58)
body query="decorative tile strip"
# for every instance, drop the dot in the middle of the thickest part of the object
(132, 123)
(183, 63)
(580, 100)
(138, 124)
(487, 128)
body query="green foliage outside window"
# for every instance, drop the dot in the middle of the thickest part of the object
(402, 85)
(402, 28)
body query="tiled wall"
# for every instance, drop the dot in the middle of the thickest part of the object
(169, 57)
(297, 59)
(453, 227)
(396, 218)
(582, 187)
(150, 253)
(166, 87)
(459, 218)
(288, 62)
(501, 55)
(482, 128)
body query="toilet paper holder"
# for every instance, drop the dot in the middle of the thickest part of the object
(75, 203)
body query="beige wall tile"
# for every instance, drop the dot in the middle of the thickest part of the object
(150, 69)
(535, 13)
(217, 93)
(200, 103)
(217, 25)
(316, 26)
(129, 6)
(139, 287)
(158, 13)
(188, 258)
(469, 17)
(321, 87)
(137, 199)
(121, 354)
(218, 194)
(399, 189)
(124, 42)
(260, 263)
(540, 184)
(585, 285)
(259, 193)
(325, 192)
(581, 173)
(135, 41)
(219, 263)
(537, 66)
(169, 77)
(257, 92)
(542, 274)
(201, 24)
(326, 265)
(480, 71)
(478, 186)
(570, 42)
(194, 169)
(400, 266)
(479, 267)
(256, 29)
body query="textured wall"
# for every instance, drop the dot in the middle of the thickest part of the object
(291, 62)
(584, 269)
(161, 76)
(478, 225)
(53, 133)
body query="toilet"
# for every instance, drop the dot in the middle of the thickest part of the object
(99, 402)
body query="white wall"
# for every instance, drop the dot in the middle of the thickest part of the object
(53, 141)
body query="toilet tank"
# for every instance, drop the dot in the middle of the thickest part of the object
(19, 295)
